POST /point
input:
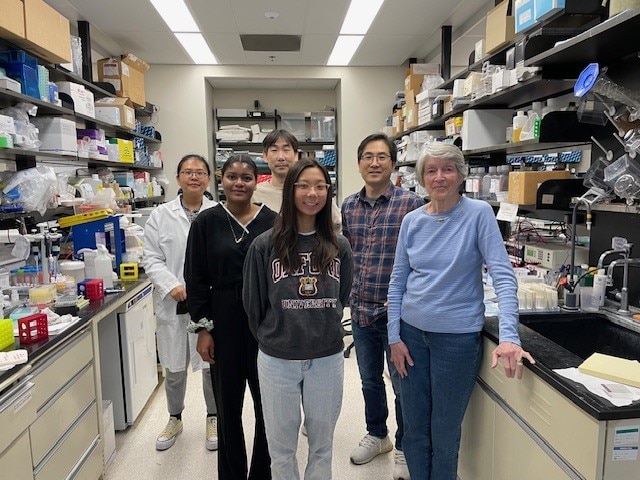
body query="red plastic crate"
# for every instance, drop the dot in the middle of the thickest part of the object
(33, 328)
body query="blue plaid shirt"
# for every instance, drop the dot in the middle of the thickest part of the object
(372, 232)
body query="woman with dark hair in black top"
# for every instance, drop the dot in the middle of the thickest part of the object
(218, 242)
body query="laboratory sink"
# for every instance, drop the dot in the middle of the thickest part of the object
(583, 334)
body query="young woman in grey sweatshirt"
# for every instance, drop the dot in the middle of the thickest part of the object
(297, 279)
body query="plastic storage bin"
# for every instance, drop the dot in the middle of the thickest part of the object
(323, 127)
(295, 123)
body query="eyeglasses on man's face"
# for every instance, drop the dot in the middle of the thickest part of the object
(320, 188)
(381, 157)
(197, 173)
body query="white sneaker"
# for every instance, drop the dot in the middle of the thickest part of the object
(168, 436)
(369, 448)
(212, 433)
(400, 470)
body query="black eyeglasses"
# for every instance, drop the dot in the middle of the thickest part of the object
(381, 157)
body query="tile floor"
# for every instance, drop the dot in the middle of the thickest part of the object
(136, 456)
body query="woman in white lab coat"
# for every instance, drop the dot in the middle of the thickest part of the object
(165, 240)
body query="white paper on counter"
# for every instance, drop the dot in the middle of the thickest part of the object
(594, 385)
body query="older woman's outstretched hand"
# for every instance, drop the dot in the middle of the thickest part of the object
(511, 355)
(401, 358)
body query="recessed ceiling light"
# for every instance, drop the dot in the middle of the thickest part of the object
(271, 15)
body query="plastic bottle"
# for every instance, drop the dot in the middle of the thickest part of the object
(102, 263)
(477, 182)
(518, 122)
(95, 182)
(468, 183)
(600, 286)
(486, 184)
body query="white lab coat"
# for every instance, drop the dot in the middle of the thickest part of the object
(165, 241)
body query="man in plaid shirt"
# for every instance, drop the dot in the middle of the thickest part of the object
(371, 221)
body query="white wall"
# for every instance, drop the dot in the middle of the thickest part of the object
(364, 97)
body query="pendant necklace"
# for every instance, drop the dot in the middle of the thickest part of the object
(233, 232)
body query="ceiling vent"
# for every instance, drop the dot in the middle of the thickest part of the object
(270, 43)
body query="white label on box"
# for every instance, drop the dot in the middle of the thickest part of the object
(625, 454)
(125, 69)
(525, 16)
(110, 69)
(130, 116)
(626, 436)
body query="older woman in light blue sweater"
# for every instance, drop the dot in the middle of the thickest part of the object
(436, 311)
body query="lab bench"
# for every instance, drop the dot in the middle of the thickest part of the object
(544, 425)
(51, 423)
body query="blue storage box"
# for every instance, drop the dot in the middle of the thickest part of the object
(18, 56)
(524, 13)
(545, 8)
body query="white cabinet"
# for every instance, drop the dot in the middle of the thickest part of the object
(15, 461)
(66, 427)
(526, 430)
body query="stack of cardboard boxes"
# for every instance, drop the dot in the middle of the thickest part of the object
(36, 27)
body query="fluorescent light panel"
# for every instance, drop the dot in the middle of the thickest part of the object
(360, 16)
(197, 48)
(176, 15)
(343, 50)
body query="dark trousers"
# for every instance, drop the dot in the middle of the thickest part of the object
(236, 352)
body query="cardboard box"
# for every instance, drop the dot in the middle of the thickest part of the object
(81, 97)
(398, 122)
(484, 128)
(116, 111)
(453, 126)
(414, 83)
(46, 32)
(471, 83)
(12, 19)
(524, 185)
(411, 116)
(500, 27)
(126, 75)
(58, 135)
(524, 12)
(546, 8)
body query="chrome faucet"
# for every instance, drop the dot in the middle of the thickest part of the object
(624, 292)
(621, 251)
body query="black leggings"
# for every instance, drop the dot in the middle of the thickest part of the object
(235, 354)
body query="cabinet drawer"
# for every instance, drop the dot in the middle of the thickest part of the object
(554, 417)
(17, 412)
(60, 367)
(15, 461)
(53, 423)
(92, 467)
(59, 463)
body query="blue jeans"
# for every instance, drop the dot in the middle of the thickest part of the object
(284, 384)
(435, 394)
(372, 344)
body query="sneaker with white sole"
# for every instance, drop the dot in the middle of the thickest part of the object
(369, 448)
(212, 433)
(168, 436)
(303, 429)
(400, 470)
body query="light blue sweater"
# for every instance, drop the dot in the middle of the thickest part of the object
(436, 282)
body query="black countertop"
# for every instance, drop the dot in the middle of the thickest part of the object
(549, 356)
(38, 349)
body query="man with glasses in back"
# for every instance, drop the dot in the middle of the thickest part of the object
(280, 152)
(371, 221)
